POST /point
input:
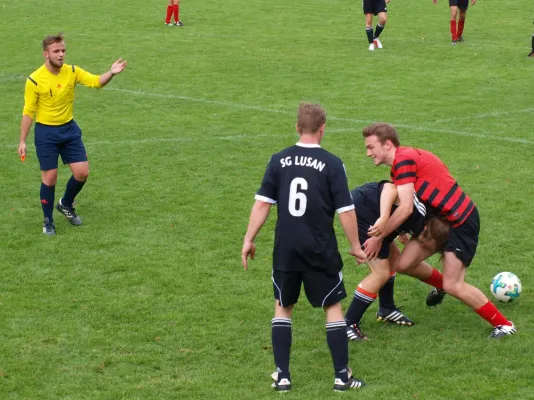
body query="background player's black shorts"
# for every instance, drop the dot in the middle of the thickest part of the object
(363, 226)
(463, 239)
(374, 6)
(321, 289)
(461, 4)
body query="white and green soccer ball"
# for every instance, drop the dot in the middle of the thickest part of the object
(506, 287)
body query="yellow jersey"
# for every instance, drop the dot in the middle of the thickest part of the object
(49, 98)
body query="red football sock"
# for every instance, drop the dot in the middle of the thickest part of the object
(435, 279)
(169, 14)
(176, 10)
(491, 314)
(453, 29)
(461, 24)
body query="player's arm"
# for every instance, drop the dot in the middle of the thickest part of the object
(404, 210)
(349, 223)
(401, 214)
(258, 216)
(345, 208)
(31, 97)
(387, 199)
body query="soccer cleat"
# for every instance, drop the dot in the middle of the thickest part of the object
(460, 39)
(531, 54)
(454, 42)
(352, 383)
(372, 46)
(169, 24)
(282, 385)
(503, 330)
(393, 315)
(435, 297)
(377, 43)
(48, 227)
(68, 212)
(355, 334)
(179, 23)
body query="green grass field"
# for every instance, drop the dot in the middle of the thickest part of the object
(148, 300)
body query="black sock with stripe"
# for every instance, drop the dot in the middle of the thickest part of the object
(281, 340)
(336, 337)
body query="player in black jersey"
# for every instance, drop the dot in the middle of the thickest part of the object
(374, 202)
(308, 184)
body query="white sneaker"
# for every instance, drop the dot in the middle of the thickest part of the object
(169, 24)
(503, 330)
(372, 47)
(377, 43)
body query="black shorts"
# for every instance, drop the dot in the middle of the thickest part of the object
(363, 226)
(374, 6)
(321, 289)
(463, 239)
(62, 140)
(461, 4)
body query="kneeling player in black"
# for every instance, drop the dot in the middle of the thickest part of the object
(309, 185)
(374, 203)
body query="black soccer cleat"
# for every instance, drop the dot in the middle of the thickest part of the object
(355, 334)
(179, 23)
(69, 212)
(435, 297)
(460, 39)
(352, 383)
(48, 227)
(531, 54)
(280, 385)
(502, 330)
(393, 315)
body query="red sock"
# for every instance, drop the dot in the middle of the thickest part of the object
(453, 29)
(461, 24)
(176, 10)
(169, 13)
(366, 293)
(491, 314)
(435, 279)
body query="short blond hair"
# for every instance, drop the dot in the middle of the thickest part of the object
(310, 118)
(51, 39)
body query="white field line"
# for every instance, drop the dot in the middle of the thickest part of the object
(488, 115)
(11, 77)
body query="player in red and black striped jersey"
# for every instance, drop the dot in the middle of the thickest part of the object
(419, 170)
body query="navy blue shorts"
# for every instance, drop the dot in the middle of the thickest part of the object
(52, 141)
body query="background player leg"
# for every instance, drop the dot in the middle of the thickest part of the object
(47, 195)
(411, 263)
(388, 311)
(461, 23)
(176, 13)
(382, 19)
(454, 16)
(454, 284)
(169, 13)
(365, 294)
(281, 335)
(337, 340)
(531, 54)
(369, 30)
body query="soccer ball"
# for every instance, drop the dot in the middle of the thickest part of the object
(506, 287)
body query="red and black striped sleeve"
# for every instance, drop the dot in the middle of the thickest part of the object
(403, 171)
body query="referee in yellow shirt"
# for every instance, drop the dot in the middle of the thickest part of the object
(49, 98)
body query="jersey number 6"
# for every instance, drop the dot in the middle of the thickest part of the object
(297, 209)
